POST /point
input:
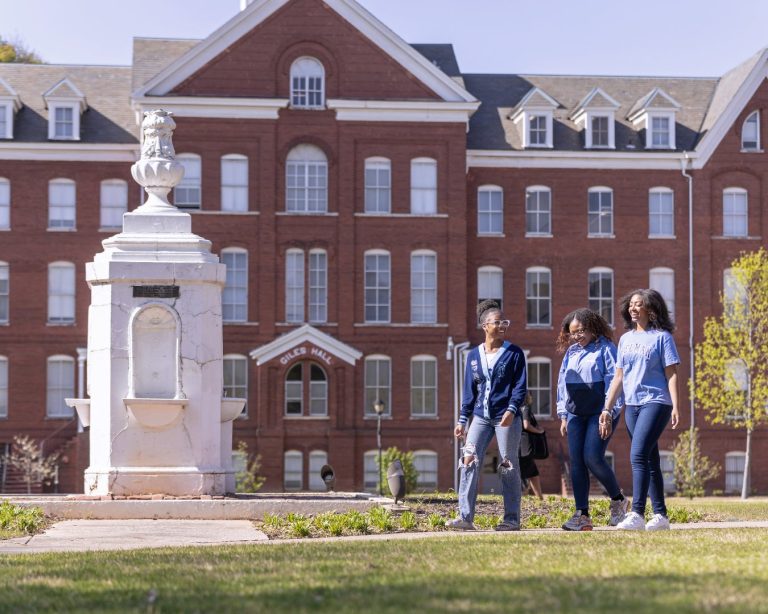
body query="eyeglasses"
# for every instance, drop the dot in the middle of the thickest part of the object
(502, 323)
(575, 334)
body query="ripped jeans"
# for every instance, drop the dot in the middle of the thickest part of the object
(480, 433)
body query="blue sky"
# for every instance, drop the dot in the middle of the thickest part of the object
(653, 37)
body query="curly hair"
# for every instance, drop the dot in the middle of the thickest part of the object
(593, 323)
(485, 307)
(654, 304)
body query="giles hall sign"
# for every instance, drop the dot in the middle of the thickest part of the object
(306, 351)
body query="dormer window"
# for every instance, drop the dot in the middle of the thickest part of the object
(63, 122)
(535, 116)
(661, 131)
(65, 103)
(537, 131)
(750, 132)
(598, 131)
(307, 84)
(596, 114)
(656, 113)
(9, 104)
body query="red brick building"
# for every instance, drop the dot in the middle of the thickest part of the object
(364, 194)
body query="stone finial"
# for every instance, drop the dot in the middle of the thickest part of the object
(157, 128)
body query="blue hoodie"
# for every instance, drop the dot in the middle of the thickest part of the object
(491, 394)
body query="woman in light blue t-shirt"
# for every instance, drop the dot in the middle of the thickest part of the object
(646, 370)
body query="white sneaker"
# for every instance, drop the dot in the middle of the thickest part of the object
(657, 523)
(632, 522)
(618, 511)
(458, 524)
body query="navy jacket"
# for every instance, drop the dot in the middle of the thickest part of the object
(507, 387)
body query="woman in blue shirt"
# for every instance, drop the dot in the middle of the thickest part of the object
(646, 370)
(586, 374)
(494, 392)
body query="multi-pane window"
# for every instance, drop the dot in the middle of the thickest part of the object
(734, 471)
(64, 122)
(61, 204)
(60, 385)
(293, 470)
(234, 298)
(296, 282)
(114, 202)
(303, 377)
(538, 296)
(5, 203)
(661, 212)
(425, 464)
(538, 211)
(235, 369)
(600, 282)
(750, 132)
(423, 386)
(234, 183)
(4, 122)
(735, 212)
(294, 391)
(378, 377)
(600, 212)
(490, 210)
(378, 185)
(61, 293)
(371, 471)
(490, 284)
(318, 391)
(423, 186)
(668, 470)
(3, 387)
(377, 286)
(4, 293)
(423, 287)
(294, 285)
(537, 130)
(660, 132)
(736, 385)
(318, 286)
(539, 385)
(599, 131)
(662, 279)
(307, 83)
(188, 193)
(317, 458)
(306, 180)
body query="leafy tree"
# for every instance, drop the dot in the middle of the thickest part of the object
(692, 469)
(389, 455)
(731, 382)
(248, 478)
(14, 51)
(27, 457)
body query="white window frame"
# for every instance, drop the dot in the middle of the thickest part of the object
(589, 140)
(317, 269)
(528, 117)
(490, 283)
(538, 305)
(377, 177)
(661, 213)
(318, 391)
(423, 366)
(53, 121)
(62, 204)
(234, 295)
(3, 387)
(752, 145)
(543, 390)
(650, 131)
(234, 183)
(293, 470)
(113, 202)
(425, 462)
(423, 287)
(188, 194)
(5, 204)
(306, 181)
(235, 378)
(662, 279)
(490, 210)
(6, 119)
(306, 91)
(424, 186)
(734, 221)
(317, 458)
(736, 380)
(61, 293)
(599, 214)
(733, 289)
(294, 285)
(733, 471)
(5, 292)
(535, 210)
(294, 391)
(371, 471)
(379, 284)
(599, 302)
(59, 386)
(667, 459)
(377, 390)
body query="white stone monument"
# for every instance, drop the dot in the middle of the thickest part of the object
(158, 422)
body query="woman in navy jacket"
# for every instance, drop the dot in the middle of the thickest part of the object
(494, 392)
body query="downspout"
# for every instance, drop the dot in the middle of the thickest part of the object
(691, 396)
(458, 378)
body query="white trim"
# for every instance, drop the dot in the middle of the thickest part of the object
(402, 111)
(480, 158)
(70, 152)
(305, 334)
(211, 106)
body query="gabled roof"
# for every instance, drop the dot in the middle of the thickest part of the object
(8, 93)
(66, 90)
(259, 10)
(655, 99)
(305, 334)
(151, 55)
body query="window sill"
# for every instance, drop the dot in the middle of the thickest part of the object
(427, 418)
(397, 325)
(306, 214)
(654, 237)
(61, 229)
(601, 236)
(491, 235)
(538, 327)
(220, 212)
(375, 417)
(60, 324)
(238, 323)
(736, 238)
(402, 215)
(537, 235)
(755, 151)
(110, 229)
(306, 417)
(5, 229)
(60, 417)
(314, 324)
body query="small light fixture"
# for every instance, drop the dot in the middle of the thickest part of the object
(378, 407)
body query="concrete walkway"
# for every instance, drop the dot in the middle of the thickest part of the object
(93, 535)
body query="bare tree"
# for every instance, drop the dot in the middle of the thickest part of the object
(27, 456)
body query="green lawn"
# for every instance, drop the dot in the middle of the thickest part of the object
(674, 571)
(724, 508)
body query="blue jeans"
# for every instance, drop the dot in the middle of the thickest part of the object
(480, 433)
(587, 451)
(645, 424)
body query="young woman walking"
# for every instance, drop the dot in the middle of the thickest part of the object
(586, 374)
(494, 392)
(646, 370)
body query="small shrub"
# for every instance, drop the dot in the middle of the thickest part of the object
(248, 479)
(435, 522)
(381, 519)
(273, 521)
(16, 518)
(681, 515)
(408, 521)
(535, 521)
(486, 521)
(300, 526)
(358, 523)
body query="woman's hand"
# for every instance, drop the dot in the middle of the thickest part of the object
(563, 427)
(459, 431)
(606, 425)
(507, 418)
(675, 418)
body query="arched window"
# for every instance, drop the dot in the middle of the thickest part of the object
(735, 212)
(423, 387)
(423, 287)
(750, 132)
(235, 367)
(60, 385)
(490, 210)
(490, 284)
(425, 463)
(538, 296)
(378, 383)
(188, 194)
(114, 202)
(306, 180)
(600, 288)
(61, 204)
(61, 293)
(538, 211)
(302, 377)
(371, 471)
(662, 279)
(234, 298)
(600, 212)
(3, 387)
(378, 185)
(307, 84)
(293, 470)
(317, 458)
(661, 212)
(734, 471)
(234, 183)
(540, 385)
(423, 186)
(377, 291)
(5, 293)
(5, 204)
